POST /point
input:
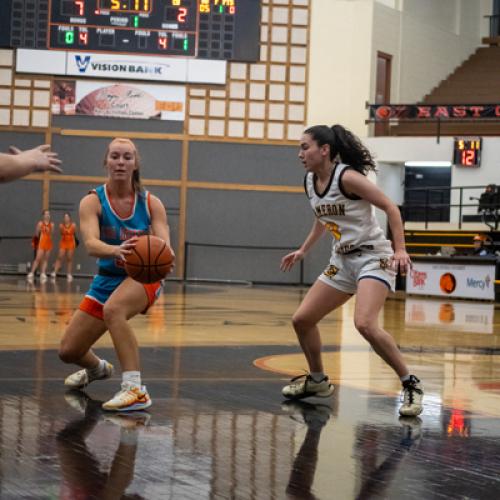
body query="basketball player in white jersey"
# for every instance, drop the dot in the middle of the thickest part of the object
(362, 261)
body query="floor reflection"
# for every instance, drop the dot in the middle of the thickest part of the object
(315, 417)
(211, 443)
(83, 476)
(377, 476)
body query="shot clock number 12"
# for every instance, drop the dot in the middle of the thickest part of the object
(467, 152)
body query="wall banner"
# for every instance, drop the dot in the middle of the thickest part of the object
(121, 66)
(414, 112)
(452, 280)
(121, 100)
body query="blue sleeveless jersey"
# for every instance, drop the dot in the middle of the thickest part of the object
(115, 229)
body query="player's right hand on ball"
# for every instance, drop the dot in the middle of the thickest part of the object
(126, 247)
(288, 261)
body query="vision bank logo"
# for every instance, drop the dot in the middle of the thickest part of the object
(82, 63)
(87, 64)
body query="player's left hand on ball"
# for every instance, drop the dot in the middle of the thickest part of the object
(172, 266)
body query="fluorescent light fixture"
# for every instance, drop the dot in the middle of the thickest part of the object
(427, 163)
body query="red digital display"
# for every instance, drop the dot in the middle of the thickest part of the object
(181, 16)
(83, 38)
(80, 7)
(162, 42)
(467, 152)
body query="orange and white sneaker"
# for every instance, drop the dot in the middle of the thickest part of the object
(130, 398)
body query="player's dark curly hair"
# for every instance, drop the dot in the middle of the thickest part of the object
(344, 144)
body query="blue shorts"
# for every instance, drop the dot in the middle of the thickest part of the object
(103, 286)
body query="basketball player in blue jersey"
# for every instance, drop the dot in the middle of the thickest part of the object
(362, 261)
(111, 219)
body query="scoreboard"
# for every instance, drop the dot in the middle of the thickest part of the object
(467, 151)
(204, 29)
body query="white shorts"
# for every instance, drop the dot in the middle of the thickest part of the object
(345, 270)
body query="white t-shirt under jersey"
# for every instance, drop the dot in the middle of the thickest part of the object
(351, 220)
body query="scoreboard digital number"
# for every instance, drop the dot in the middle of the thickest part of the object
(205, 29)
(467, 152)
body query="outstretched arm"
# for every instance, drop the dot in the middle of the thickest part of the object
(288, 261)
(21, 163)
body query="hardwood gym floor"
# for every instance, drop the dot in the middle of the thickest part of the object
(214, 360)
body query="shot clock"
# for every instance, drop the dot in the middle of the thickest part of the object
(467, 151)
(204, 29)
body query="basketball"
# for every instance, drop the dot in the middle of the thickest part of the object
(150, 260)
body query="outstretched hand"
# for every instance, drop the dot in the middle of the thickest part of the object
(39, 159)
(288, 261)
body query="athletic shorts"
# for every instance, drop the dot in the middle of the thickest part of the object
(45, 244)
(103, 286)
(63, 245)
(345, 270)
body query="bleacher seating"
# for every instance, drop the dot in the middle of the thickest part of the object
(475, 81)
(431, 242)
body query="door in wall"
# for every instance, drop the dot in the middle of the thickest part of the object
(383, 88)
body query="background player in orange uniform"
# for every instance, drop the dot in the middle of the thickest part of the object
(44, 230)
(67, 246)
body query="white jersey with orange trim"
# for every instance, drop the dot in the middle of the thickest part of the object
(351, 220)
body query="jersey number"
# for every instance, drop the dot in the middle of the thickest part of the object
(334, 229)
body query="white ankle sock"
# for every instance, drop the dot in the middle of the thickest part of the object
(405, 378)
(97, 370)
(317, 376)
(132, 377)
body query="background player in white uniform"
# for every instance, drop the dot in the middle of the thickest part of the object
(362, 260)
